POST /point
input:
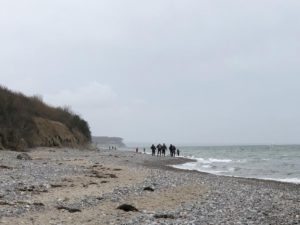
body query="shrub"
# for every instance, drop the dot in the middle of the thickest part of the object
(17, 113)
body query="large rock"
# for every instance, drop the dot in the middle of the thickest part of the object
(127, 208)
(148, 189)
(24, 156)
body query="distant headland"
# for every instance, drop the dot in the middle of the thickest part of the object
(109, 141)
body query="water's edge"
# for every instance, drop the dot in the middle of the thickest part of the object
(287, 180)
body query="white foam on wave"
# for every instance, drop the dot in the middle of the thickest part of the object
(209, 160)
(241, 161)
(186, 166)
(220, 160)
(193, 166)
(285, 180)
(206, 166)
(231, 169)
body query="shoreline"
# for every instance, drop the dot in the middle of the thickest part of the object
(172, 162)
(252, 178)
(94, 183)
(181, 160)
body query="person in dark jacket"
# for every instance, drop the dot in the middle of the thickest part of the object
(159, 149)
(153, 148)
(164, 149)
(171, 148)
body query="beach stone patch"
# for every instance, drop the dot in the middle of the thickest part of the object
(127, 208)
(32, 188)
(67, 180)
(111, 175)
(93, 183)
(57, 185)
(24, 156)
(104, 182)
(69, 209)
(99, 174)
(88, 184)
(40, 204)
(5, 167)
(164, 216)
(5, 203)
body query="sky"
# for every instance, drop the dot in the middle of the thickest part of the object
(193, 72)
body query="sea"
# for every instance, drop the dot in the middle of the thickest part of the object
(268, 162)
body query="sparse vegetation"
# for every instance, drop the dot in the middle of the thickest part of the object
(17, 119)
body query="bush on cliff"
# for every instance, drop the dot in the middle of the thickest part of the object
(18, 127)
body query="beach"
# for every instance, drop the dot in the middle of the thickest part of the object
(86, 186)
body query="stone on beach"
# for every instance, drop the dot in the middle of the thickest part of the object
(24, 156)
(69, 209)
(164, 216)
(127, 208)
(148, 189)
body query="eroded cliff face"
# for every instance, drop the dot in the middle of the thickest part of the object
(27, 122)
(1, 146)
(46, 133)
(55, 134)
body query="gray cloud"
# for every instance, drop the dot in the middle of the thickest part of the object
(182, 71)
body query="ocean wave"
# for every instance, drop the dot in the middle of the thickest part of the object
(220, 160)
(201, 168)
(231, 169)
(209, 160)
(285, 180)
(194, 166)
(206, 166)
(186, 166)
(241, 160)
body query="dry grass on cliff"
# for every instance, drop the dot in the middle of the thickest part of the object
(17, 114)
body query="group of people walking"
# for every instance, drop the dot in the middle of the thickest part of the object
(161, 150)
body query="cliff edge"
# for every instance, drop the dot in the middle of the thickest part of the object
(27, 122)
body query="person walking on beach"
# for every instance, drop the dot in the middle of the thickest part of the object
(159, 150)
(174, 151)
(153, 148)
(178, 152)
(170, 149)
(164, 148)
(144, 150)
(137, 150)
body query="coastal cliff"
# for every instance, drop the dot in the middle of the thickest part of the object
(27, 122)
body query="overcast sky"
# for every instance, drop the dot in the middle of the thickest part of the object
(182, 71)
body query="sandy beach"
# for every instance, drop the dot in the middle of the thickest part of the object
(72, 186)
